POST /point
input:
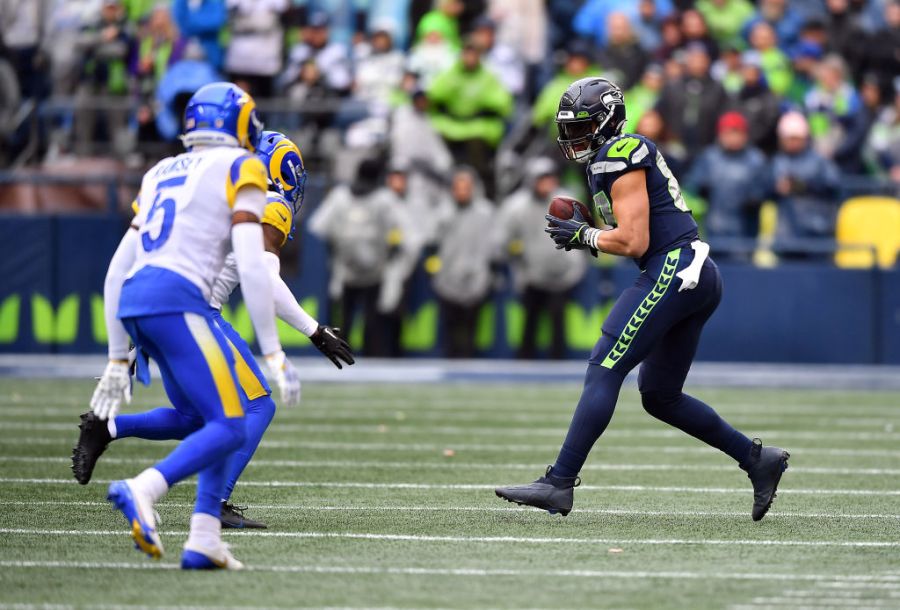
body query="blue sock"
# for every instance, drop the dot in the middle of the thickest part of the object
(697, 419)
(162, 424)
(592, 415)
(209, 445)
(258, 415)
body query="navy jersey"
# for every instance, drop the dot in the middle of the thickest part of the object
(671, 222)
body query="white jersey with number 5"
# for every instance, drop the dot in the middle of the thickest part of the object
(183, 212)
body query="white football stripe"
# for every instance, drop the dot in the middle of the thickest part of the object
(417, 571)
(459, 465)
(774, 514)
(501, 431)
(478, 487)
(488, 539)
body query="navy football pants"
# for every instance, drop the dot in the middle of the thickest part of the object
(658, 327)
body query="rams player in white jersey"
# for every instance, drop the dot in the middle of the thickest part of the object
(286, 181)
(195, 208)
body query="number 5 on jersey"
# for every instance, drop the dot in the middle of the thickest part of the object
(167, 206)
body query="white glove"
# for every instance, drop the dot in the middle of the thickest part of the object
(112, 387)
(286, 377)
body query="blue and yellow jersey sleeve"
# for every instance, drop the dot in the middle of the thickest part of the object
(279, 214)
(245, 171)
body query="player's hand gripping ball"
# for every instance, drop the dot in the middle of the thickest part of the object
(570, 224)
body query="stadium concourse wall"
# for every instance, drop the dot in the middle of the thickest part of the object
(53, 269)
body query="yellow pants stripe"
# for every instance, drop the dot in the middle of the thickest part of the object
(218, 365)
(246, 377)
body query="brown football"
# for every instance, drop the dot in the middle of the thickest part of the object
(564, 208)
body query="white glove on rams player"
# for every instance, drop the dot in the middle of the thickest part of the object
(114, 385)
(286, 377)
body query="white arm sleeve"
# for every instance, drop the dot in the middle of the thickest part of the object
(256, 287)
(119, 266)
(286, 306)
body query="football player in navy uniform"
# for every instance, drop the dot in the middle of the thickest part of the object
(639, 212)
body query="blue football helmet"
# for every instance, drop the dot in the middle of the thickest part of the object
(221, 114)
(283, 161)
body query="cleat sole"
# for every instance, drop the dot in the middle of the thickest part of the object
(552, 511)
(143, 541)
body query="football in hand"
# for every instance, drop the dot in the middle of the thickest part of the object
(564, 208)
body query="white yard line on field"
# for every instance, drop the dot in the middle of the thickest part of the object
(460, 465)
(488, 539)
(484, 572)
(484, 486)
(424, 414)
(486, 509)
(501, 431)
(484, 447)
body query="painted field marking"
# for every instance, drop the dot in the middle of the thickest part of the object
(489, 539)
(460, 465)
(479, 487)
(408, 428)
(484, 572)
(484, 447)
(487, 509)
(889, 421)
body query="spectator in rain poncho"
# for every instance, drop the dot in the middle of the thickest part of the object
(543, 276)
(420, 150)
(254, 55)
(463, 276)
(401, 265)
(363, 231)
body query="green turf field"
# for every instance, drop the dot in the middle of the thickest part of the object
(367, 509)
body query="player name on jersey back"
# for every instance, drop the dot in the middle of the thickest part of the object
(184, 221)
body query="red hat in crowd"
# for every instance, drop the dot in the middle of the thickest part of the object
(732, 120)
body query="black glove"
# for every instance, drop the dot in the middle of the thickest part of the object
(574, 233)
(329, 341)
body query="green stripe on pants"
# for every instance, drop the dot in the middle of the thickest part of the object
(643, 310)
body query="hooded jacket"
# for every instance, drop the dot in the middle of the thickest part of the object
(465, 254)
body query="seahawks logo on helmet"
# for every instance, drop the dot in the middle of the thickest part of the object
(591, 111)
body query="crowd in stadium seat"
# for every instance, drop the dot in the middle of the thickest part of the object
(796, 102)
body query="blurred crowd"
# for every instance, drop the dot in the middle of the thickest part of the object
(431, 115)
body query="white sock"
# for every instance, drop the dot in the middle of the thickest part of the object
(111, 426)
(206, 531)
(152, 483)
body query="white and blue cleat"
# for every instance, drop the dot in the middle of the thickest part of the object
(196, 557)
(140, 516)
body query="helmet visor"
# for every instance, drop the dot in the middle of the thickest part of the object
(575, 138)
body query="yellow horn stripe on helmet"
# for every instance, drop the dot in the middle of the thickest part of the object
(281, 150)
(243, 123)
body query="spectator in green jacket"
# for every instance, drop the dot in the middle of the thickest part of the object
(643, 96)
(444, 18)
(577, 65)
(725, 18)
(775, 64)
(469, 110)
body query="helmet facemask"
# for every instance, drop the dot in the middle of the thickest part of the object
(580, 139)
